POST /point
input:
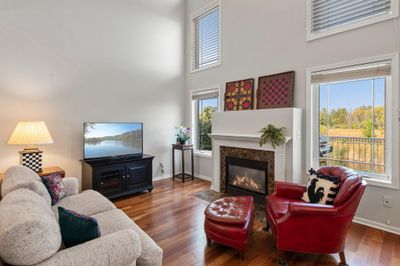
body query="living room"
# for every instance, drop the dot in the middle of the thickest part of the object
(158, 65)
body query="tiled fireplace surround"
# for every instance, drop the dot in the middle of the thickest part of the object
(249, 154)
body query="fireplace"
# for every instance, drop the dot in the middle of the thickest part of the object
(246, 177)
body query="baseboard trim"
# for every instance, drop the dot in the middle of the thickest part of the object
(377, 225)
(162, 177)
(207, 178)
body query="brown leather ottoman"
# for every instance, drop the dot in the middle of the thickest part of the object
(229, 221)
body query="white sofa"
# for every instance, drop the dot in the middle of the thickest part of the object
(30, 234)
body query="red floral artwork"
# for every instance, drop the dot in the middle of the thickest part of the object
(239, 95)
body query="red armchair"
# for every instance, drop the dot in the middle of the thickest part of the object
(314, 228)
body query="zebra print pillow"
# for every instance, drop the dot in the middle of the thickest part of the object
(321, 189)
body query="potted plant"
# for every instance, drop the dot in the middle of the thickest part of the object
(272, 134)
(182, 134)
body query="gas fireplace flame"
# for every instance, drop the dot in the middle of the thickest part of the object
(247, 182)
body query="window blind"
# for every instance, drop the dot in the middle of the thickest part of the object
(328, 14)
(205, 94)
(378, 69)
(206, 39)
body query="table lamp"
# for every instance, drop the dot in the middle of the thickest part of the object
(31, 134)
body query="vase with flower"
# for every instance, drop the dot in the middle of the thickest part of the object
(182, 134)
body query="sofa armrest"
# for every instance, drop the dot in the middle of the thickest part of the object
(117, 249)
(309, 209)
(71, 186)
(289, 190)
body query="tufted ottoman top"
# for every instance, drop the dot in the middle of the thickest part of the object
(230, 210)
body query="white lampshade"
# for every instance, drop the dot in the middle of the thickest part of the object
(31, 133)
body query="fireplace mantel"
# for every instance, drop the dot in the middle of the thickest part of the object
(240, 130)
(239, 137)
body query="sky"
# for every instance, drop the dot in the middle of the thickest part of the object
(207, 102)
(351, 95)
(111, 129)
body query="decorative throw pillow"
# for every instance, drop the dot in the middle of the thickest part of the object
(77, 228)
(54, 186)
(321, 189)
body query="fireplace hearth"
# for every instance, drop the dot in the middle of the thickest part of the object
(246, 177)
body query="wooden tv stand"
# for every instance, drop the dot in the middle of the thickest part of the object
(117, 177)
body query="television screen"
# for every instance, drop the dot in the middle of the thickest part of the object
(112, 139)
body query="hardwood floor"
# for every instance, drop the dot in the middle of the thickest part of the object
(174, 218)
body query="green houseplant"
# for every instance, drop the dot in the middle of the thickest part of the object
(272, 134)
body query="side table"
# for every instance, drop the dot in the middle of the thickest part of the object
(46, 171)
(182, 148)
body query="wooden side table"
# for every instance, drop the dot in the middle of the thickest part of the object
(46, 171)
(182, 148)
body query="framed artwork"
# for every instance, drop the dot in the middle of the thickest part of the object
(239, 95)
(275, 91)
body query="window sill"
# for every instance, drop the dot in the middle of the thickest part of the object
(192, 71)
(380, 183)
(204, 154)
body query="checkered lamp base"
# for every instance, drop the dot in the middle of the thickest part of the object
(32, 160)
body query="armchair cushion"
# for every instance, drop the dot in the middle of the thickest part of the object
(279, 206)
(348, 188)
(289, 190)
(309, 209)
(321, 188)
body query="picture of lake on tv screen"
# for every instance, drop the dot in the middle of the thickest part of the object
(112, 139)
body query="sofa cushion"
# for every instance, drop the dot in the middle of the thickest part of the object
(88, 202)
(116, 220)
(76, 228)
(54, 186)
(29, 232)
(19, 176)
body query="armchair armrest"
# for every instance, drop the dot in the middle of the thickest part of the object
(120, 249)
(309, 209)
(289, 190)
(71, 186)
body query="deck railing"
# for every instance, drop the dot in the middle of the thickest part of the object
(363, 154)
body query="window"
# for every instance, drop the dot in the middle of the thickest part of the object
(204, 103)
(326, 17)
(206, 38)
(351, 119)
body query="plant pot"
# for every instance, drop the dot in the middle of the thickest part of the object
(182, 142)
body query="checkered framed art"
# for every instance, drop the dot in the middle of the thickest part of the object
(275, 91)
(239, 95)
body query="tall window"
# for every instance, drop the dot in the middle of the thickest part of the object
(352, 123)
(205, 103)
(206, 38)
(332, 16)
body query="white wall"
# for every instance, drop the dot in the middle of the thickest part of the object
(70, 61)
(265, 37)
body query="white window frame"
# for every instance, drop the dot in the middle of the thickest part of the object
(350, 26)
(195, 15)
(392, 134)
(195, 115)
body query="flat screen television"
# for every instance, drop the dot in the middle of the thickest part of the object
(104, 140)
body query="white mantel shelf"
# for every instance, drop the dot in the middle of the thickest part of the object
(240, 137)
